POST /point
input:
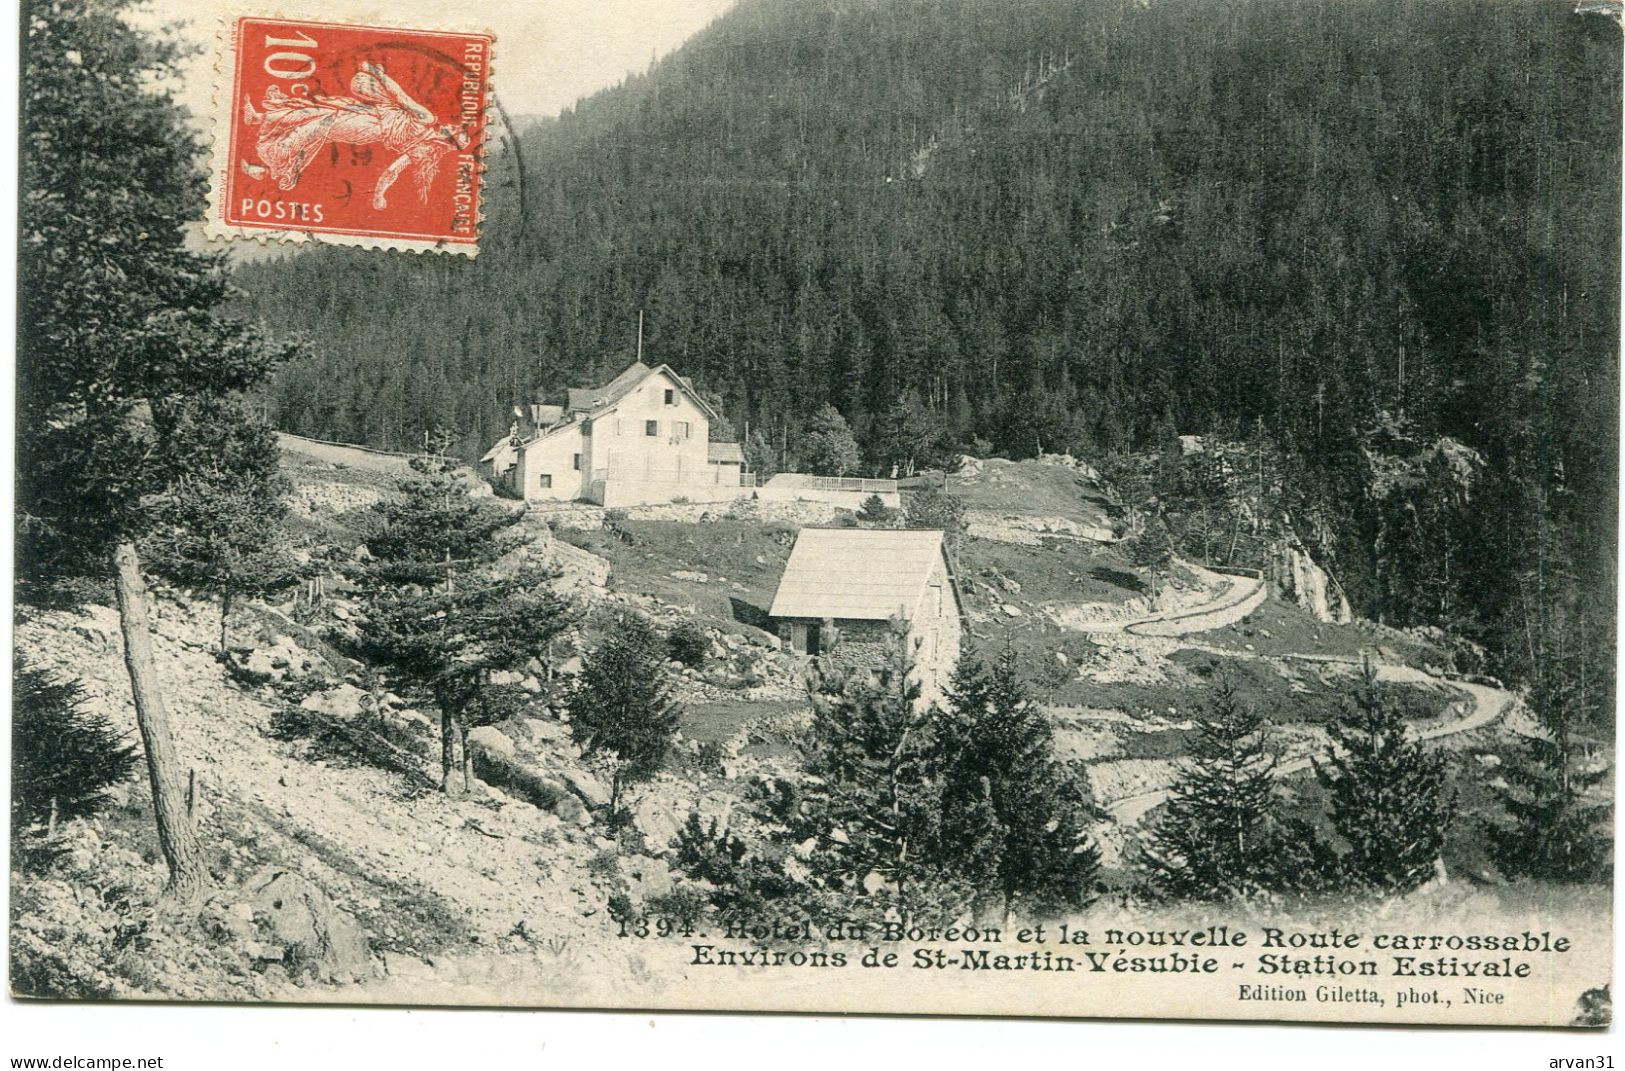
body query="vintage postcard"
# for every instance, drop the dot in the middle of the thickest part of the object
(1068, 508)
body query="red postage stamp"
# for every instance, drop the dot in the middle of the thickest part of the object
(356, 135)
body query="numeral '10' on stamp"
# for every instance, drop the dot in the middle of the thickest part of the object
(357, 135)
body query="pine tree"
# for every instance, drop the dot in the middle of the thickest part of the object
(1390, 797)
(1560, 819)
(441, 606)
(869, 801)
(828, 447)
(622, 709)
(1014, 819)
(1218, 837)
(219, 526)
(120, 330)
(64, 757)
(904, 435)
(1152, 549)
(761, 458)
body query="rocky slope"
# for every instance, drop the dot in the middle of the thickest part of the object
(314, 788)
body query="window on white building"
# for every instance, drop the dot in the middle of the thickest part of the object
(544, 480)
(671, 397)
(575, 462)
(651, 427)
(681, 430)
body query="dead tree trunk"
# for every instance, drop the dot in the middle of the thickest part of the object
(451, 752)
(176, 834)
(467, 756)
(225, 612)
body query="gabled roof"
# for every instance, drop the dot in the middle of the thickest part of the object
(601, 399)
(588, 398)
(720, 452)
(856, 573)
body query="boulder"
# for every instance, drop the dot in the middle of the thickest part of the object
(506, 770)
(568, 808)
(491, 740)
(650, 880)
(418, 720)
(657, 822)
(544, 732)
(300, 927)
(261, 663)
(344, 702)
(585, 784)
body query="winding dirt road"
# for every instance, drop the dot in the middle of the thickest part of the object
(1233, 599)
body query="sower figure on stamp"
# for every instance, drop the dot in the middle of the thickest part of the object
(294, 129)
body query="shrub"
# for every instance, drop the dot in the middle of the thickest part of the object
(746, 883)
(503, 489)
(708, 759)
(935, 508)
(875, 511)
(684, 905)
(615, 525)
(688, 644)
(621, 907)
(605, 866)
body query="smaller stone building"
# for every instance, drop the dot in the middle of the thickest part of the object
(848, 593)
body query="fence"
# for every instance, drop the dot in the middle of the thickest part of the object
(801, 481)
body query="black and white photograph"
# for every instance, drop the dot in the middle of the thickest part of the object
(1080, 509)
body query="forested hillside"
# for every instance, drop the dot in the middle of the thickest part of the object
(1351, 230)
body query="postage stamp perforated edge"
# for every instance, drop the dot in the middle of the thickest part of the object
(220, 126)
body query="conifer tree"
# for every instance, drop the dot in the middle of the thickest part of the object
(904, 435)
(1218, 837)
(120, 329)
(64, 757)
(1152, 549)
(1390, 797)
(1560, 820)
(441, 606)
(869, 801)
(876, 512)
(761, 458)
(1014, 819)
(622, 709)
(219, 525)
